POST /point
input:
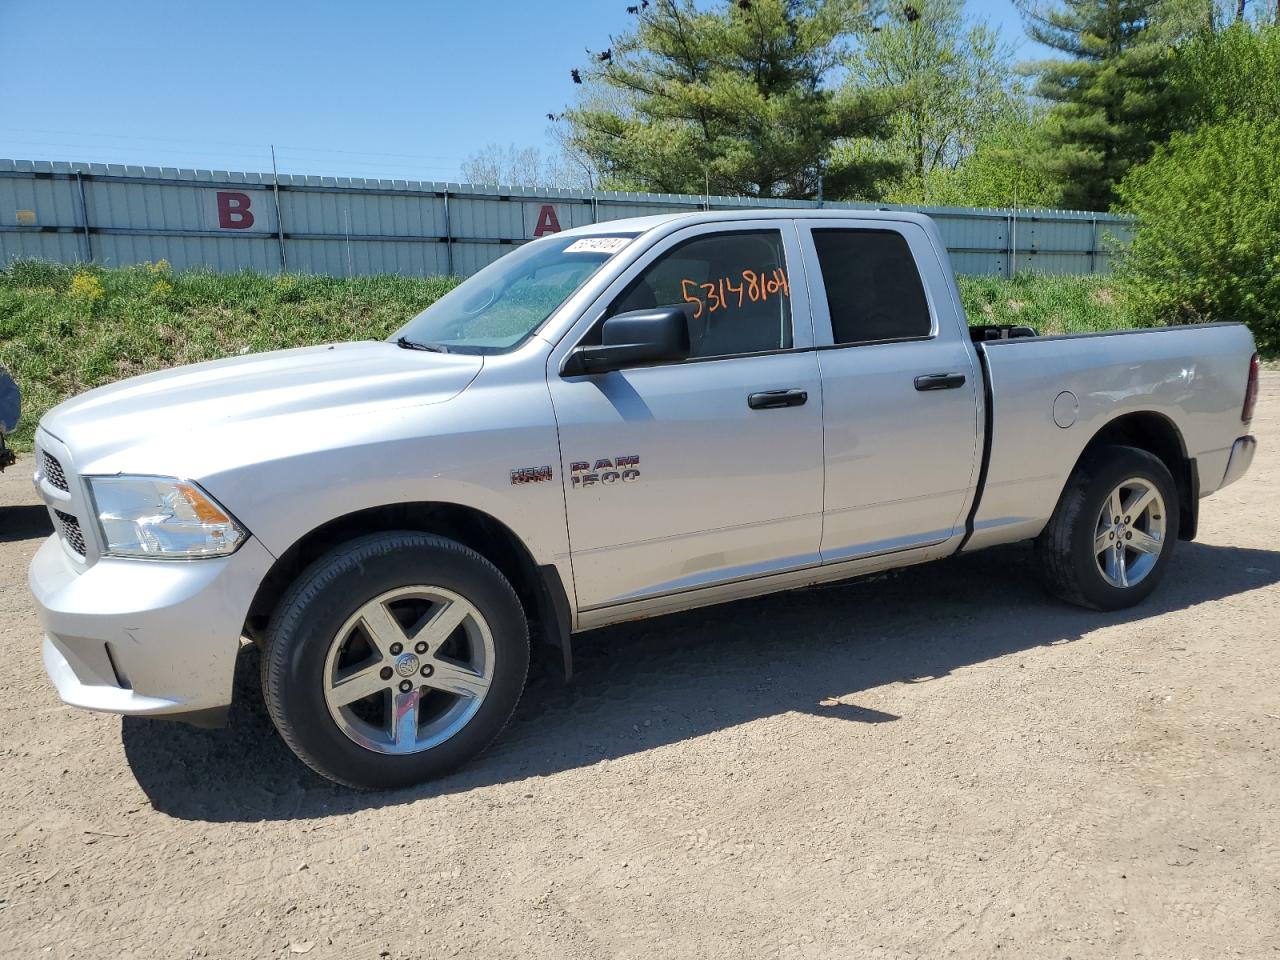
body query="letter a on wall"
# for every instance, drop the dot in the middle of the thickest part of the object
(548, 222)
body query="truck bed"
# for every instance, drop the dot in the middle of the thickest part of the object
(1047, 396)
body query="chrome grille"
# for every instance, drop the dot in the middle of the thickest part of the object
(53, 471)
(69, 529)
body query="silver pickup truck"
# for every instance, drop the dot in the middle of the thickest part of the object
(613, 422)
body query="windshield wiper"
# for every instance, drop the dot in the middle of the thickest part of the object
(404, 343)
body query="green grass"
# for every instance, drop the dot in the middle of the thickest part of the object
(1050, 304)
(64, 330)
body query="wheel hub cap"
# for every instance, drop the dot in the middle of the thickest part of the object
(406, 665)
(1130, 533)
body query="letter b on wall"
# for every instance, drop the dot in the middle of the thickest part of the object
(246, 210)
(233, 211)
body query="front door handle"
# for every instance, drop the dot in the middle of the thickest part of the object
(772, 399)
(940, 381)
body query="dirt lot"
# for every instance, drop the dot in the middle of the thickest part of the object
(943, 762)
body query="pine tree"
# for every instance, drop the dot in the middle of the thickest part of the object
(1112, 100)
(734, 99)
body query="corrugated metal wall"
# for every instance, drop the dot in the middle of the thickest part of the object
(116, 215)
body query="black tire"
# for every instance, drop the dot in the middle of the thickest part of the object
(326, 595)
(1065, 549)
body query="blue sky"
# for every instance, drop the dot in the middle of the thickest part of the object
(387, 88)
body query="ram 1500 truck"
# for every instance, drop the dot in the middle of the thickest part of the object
(616, 421)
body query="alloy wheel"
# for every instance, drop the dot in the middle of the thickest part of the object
(409, 669)
(1130, 533)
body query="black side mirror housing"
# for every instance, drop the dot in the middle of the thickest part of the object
(632, 339)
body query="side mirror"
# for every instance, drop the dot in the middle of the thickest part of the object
(635, 338)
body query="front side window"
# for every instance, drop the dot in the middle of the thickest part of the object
(500, 307)
(734, 288)
(873, 287)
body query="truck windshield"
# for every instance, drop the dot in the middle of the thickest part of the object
(505, 303)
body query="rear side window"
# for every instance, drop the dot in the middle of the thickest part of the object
(733, 286)
(873, 287)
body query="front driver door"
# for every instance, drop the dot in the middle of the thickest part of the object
(674, 478)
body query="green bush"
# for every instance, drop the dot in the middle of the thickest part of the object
(1231, 73)
(1208, 244)
(997, 173)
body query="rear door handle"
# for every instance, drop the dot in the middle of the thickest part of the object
(940, 381)
(772, 399)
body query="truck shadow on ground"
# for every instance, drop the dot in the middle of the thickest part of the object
(24, 522)
(646, 684)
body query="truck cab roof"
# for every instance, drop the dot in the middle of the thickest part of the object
(638, 225)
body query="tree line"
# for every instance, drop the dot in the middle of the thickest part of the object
(1166, 109)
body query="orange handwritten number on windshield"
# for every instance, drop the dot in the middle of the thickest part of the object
(688, 299)
(756, 287)
(713, 300)
(727, 284)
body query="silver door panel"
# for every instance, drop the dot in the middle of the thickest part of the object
(901, 464)
(722, 491)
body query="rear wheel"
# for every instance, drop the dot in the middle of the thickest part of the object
(1112, 533)
(394, 659)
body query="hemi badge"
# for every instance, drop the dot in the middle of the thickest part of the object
(530, 474)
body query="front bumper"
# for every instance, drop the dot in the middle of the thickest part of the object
(145, 637)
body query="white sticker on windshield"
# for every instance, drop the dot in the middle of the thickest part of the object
(597, 245)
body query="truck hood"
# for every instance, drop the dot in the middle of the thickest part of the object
(285, 391)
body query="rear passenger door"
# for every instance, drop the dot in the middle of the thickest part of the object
(900, 449)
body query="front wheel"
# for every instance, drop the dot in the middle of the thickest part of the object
(1110, 537)
(394, 659)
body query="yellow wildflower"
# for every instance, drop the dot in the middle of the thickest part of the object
(85, 286)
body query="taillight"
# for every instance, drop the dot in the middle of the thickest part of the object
(1251, 391)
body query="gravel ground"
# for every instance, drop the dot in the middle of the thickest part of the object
(941, 762)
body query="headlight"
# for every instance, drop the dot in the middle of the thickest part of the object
(160, 517)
